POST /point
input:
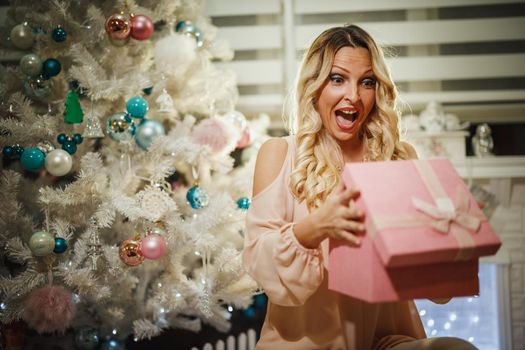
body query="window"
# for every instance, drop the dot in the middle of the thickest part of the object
(476, 319)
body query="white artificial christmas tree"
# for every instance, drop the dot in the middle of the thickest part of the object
(141, 226)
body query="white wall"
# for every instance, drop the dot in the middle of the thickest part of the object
(508, 220)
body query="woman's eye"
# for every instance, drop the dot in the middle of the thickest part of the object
(369, 82)
(336, 78)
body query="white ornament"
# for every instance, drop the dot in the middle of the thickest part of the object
(94, 249)
(175, 53)
(164, 102)
(432, 118)
(452, 122)
(93, 129)
(236, 119)
(155, 203)
(58, 162)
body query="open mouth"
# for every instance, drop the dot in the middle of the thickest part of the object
(345, 119)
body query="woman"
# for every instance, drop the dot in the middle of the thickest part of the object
(345, 113)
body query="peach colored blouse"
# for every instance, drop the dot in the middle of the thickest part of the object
(302, 313)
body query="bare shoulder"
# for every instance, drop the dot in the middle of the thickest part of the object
(269, 162)
(412, 154)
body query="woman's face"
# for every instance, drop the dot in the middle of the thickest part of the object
(348, 95)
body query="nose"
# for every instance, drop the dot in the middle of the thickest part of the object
(352, 93)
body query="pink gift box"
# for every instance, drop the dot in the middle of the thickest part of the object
(360, 273)
(424, 233)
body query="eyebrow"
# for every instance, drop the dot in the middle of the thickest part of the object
(346, 70)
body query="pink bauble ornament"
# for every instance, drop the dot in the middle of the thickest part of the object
(129, 253)
(213, 133)
(141, 27)
(246, 138)
(118, 27)
(49, 309)
(153, 247)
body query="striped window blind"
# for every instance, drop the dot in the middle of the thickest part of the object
(468, 55)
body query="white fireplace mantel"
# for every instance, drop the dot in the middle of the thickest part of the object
(491, 167)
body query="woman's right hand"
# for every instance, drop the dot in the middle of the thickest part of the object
(337, 217)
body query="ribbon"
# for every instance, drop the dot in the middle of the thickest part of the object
(443, 218)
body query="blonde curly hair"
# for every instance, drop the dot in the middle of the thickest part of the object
(319, 159)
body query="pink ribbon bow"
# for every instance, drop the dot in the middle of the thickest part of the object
(444, 218)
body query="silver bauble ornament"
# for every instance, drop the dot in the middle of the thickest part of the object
(38, 88)
(42, 243)
(147, 131)
(22, 36)
(45, 146)
(120, 127)
(31, 65)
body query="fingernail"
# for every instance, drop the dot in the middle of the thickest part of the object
(358, 242)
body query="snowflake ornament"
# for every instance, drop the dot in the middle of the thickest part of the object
(155, 203)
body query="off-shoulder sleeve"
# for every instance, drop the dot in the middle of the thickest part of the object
(287, 271)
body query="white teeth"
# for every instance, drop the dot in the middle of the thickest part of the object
(347, 114)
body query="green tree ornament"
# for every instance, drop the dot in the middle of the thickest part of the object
(73, 112)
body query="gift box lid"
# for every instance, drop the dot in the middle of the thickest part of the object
(420, 212)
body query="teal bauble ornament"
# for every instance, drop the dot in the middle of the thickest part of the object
(50, 68)
(60, 245)
(188, 28)
(120, 127)
(260, 301)
(87, 338)
(70, 147)
(8, 151)
(33, 159)
(31, 65)
(77, 138)
(61, 138)
(249, 312)
(147, 131)
(69, 144)
(180, 25)
(18, 151)
(244, 203)
(196, 197)
(41, 243)
(59, 35)
(137, 107)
